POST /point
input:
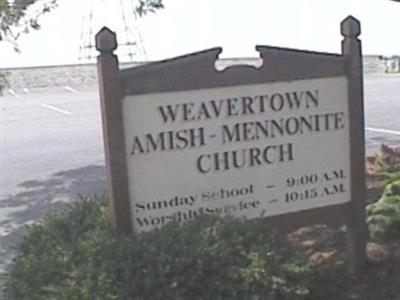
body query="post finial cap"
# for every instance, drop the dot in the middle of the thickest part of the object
(350, 27)
(106, 40)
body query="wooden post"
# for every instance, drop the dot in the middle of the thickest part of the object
(357, 232)
(113, 131)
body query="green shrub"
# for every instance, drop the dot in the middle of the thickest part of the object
(383, 216)
(383, 180)
(76, 255)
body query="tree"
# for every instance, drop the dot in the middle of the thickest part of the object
(146, 6)
(18, 17)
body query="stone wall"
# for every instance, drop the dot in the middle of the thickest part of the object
(85, 76)
(74, 76)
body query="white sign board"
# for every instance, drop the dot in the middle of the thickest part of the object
(248, 151)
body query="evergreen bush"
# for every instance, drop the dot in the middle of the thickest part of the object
(76, 255)
(383, 216)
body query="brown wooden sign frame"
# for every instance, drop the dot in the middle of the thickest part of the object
(196, 71)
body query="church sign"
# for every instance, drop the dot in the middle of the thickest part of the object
(282, 143)
(244, 150)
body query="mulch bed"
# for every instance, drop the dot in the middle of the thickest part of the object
(326, 250)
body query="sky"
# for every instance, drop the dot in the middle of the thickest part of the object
(186, 26)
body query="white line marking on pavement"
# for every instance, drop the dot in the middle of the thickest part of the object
(51, 107)
(383, 130)
(70, 89)
(11, 91)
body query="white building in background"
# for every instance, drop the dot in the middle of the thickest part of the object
(392, 64)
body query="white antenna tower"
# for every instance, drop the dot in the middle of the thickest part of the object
(121, 17)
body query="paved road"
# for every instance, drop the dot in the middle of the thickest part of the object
(46, 132)
(382, 110)
(51, 148)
